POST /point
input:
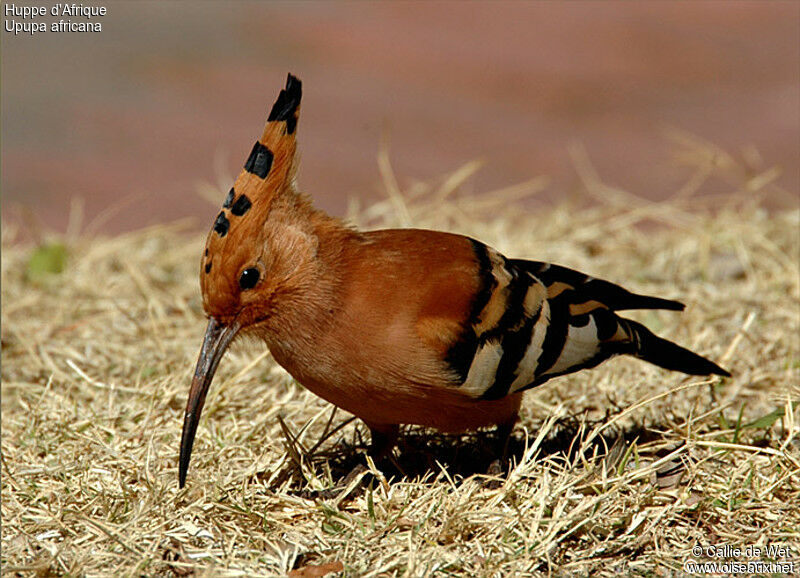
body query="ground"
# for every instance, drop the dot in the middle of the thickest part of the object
(620, 470)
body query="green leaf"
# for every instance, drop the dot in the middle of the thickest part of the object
(47, 260)
(766, 421)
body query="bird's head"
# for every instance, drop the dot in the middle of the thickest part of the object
(245, 265)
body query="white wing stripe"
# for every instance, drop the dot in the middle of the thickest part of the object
(527, 367)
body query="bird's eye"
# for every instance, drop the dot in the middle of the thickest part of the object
(249, 278)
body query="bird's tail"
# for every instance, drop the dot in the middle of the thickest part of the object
(663, 353)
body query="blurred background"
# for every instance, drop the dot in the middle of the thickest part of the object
(171, 95)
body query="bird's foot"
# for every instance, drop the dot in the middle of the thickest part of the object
(500, 466)
(350, 483)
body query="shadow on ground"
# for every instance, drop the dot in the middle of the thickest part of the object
(425, 454)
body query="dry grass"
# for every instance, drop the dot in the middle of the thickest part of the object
(619, 470)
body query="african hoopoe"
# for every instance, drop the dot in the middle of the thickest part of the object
(401, 326)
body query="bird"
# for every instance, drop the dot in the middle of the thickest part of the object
(398, 326)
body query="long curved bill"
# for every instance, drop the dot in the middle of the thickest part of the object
(215, 342)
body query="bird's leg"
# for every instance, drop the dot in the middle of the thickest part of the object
(504, 430)
(384, 438)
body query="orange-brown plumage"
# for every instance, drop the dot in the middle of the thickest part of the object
(398, 326)
(379, 353)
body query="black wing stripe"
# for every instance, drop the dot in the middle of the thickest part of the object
(556, 336)
(588, 288)
(462, 353)
(514, 341)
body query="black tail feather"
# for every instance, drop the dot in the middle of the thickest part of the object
(668, 355)
(636, 301)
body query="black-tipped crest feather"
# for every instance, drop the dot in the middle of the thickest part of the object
(286, 104)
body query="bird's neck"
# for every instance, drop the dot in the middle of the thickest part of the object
(311, 251)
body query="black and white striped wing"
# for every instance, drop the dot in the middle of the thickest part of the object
(531, 322)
